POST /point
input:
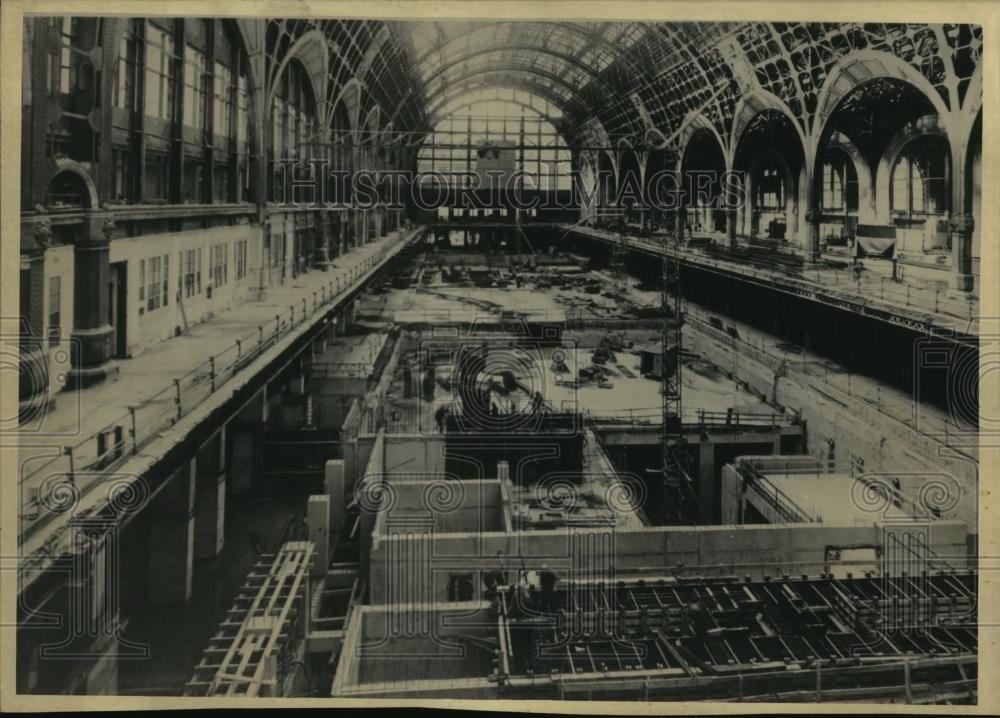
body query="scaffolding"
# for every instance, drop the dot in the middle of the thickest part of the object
(261, 638)
(876, 635)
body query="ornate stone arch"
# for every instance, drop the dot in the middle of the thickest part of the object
(858, 68)
(928, 125)
(311, 51)
(693, 122)
(64, 165)
(751, 106)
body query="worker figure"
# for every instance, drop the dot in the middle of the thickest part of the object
(830, 452)
(439, 416)
(698, 619)
(857, 268)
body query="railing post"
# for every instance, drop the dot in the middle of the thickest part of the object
(260, 334)
(211, 371)
(135, 437)
(177, 398)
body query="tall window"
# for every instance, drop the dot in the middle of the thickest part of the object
(243, 147)
(222, 101)
(160, 59)
(55, 304)
(509, 132)
(833, 187)
(840, 182)
(194, 87)
(157, 282)
(124, 96)
(64, 68)
(156, 185)
(770, 189)
(220, 264)
(240, 252)
(920, 178)
(292, 112)
(191, 270)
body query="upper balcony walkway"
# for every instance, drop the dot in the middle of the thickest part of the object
(919, 298)
(100, 435)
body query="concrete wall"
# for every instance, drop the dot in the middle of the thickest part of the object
(753, 551)
(414, 452)
(857, 428)
(453, 506)
(417, 648)
(162, 323)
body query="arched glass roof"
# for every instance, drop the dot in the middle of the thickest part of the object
(615, 81)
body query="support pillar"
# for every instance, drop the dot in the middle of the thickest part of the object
(322, 255)
(210, 508)
(318, 520)
(171, 544)
(961, 226)
(731, 228)
(706, 481)
(810, 247)
(333, 484)
(90, 349)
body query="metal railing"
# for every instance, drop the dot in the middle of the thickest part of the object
(774, 498)
(864, 289)
(84, 464)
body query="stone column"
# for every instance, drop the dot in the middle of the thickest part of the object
(318, 520)
(961, 226)
(321, 256)
(210, 510)
(333, 484)
(731, 228)
(810, 247)
(706, 480)
(91, 348)
(171, 544)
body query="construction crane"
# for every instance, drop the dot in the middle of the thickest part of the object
(680, 505)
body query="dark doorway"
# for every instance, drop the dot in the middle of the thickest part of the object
(118, 307)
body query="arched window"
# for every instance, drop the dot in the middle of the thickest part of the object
(840, 183)
(770, 188)
(507, 134)
(292, 122)
(920, 178)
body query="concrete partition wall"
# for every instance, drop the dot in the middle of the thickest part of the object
(755, 551)
(450, 505)
(370, 496)
(858, 428)
(415, 454)
(420, 649)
